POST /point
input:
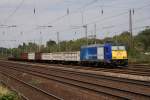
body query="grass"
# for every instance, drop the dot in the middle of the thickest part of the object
(6, 94)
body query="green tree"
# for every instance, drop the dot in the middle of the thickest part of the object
(50, 43)
(143, 40)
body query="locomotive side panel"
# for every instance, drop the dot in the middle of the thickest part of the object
(100, 53)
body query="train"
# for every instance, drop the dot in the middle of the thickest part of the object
(89, 55)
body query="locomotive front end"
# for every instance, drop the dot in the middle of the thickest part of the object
(119, 55)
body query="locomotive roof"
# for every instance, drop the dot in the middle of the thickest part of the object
(93, 45)
(100, 45)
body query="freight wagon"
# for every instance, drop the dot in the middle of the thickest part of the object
(58, 57)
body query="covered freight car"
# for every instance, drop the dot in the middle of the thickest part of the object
(58, 57)
(31, 56)
(24, 56)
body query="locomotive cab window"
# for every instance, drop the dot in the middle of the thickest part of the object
(118, 47)
(121, 47)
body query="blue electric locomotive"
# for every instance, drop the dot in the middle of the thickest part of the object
(104, 54)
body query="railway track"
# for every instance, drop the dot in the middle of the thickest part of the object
(134, 69)
(26, 90)
(97, 85)
(142, 70)
(68, 82)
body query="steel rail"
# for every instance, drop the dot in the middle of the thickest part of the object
(41, 73)
(33, 87)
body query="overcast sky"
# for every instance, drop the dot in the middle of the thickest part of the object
(28, 15)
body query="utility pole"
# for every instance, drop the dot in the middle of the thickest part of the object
(5, 26)
(58, 40)
(82, 17)
(130, 29)
(2, 52)
(86, 35)
(116, 39)
(40, 43)
(41, 38)
(21, 33)
(95, 32)
(84, 26)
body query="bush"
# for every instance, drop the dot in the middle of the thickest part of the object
(5, 94)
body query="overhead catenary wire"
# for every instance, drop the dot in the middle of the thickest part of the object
(114, 16)
(77, 10)
(59, 18)
(135, 22)
(62, 17)
(13, 13)
(114, 25)
(97, 22)
(68, 29)
(106, 18)
(111, 17)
